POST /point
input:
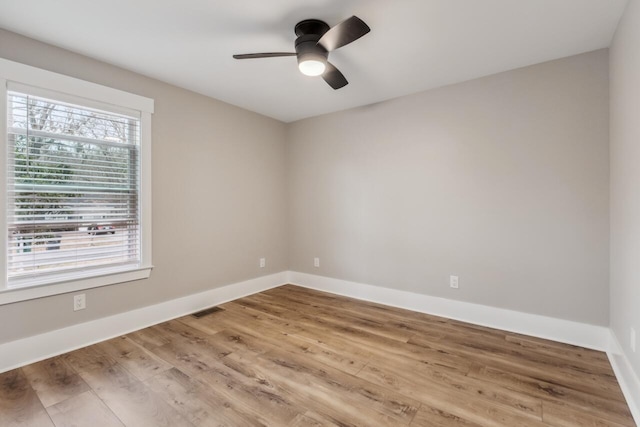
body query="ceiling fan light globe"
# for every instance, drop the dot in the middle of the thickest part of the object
(312, 67)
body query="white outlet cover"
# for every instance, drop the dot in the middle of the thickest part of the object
(79, 302)
(263, 262)
(453, 282)
(316, 262)
(633, 340)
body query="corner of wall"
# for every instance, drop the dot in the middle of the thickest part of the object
(627, 378)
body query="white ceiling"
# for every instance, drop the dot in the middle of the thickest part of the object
(413, 45)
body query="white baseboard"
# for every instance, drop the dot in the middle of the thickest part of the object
(566, 331)
(39, 347)
(627, 378)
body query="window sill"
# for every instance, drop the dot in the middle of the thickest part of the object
(17, 294)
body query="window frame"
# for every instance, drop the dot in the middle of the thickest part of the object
(91, 95)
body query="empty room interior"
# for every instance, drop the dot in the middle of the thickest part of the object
(320, 213)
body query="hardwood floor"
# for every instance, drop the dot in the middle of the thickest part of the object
(296, 357)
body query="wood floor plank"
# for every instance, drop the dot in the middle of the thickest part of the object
(350, 359)
(142, 363)
(85, 409)
(54, 380)
(592, 383)
(242, 341)
(562, 415)
(292, 356)
(19, 404)
(429, 416)
(188, 349)
(313, 419)
(430, 387)
(382, 346)
(504, 347)
(87, 359)
(367, 309)
(238, 378)
(201, 404)
(209, 328)
(561, 350)
(130, 400)
(611, 409)
(362, 309)
(373, 326)
(334, 388)
(148, 338)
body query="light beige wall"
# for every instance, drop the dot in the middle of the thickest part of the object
(502, 181)
(625, 181)
(219, 195)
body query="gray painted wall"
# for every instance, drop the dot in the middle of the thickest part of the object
(219, 195)
(502, 181)
(625, 181)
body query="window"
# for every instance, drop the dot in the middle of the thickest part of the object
(76, 185)
(72, 202)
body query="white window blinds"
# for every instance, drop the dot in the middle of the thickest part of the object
(72, 190)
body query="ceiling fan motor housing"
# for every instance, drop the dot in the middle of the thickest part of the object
(307, 48)
(311, 26)
(309, 32)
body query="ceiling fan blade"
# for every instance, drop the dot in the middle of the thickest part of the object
(345, 32)
(263, 55)
(334, 77)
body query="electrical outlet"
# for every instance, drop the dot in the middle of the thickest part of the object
(316, 262)
(453, 282)
(263, 262)
(633, 340)
(79, 302)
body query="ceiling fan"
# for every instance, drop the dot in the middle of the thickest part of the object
(315, 40)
